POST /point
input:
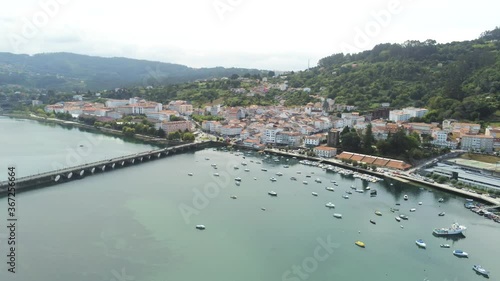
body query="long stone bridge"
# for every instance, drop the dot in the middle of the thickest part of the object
(79, 172)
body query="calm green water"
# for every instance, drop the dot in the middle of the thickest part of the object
(139, 223)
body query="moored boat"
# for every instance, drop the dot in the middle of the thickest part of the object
(455, 229)
(445, 246)
(460, 253)
(318, 180)
(373, 222)
(293, 178)
(190, 174)
(398, 218)
(441, 200)
(421, 243)
(405, 217)
(304, 182)
(413, 210)
(441, 214)
(315, 194)
(373, 192)
(264, 169)
(200, 227)
(479, 269)
(330, 188)
(330, 205)
(378, 213)
(272, 193)
(237, 179)
(405, 197)
(360, 244)
(345, 196)
(273, 179)
(338, 216)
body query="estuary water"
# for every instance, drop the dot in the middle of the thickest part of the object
(138, 223)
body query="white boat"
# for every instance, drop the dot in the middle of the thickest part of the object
(330, 188)
(367, 188)
(442, 214)
(272, 193)
(445, 246)
(330, 205)
(264, 169)
(254, 178)
(247, 170)
(314, 194)
(293, 178)
(460, 253)
(236, 167)
(405, 217)
(286, 166)
(405, 197)
(200, 227)
(298, 172)
(237, 179)
(413, 210)
(273, 179)
(338, 216)
(441, 200)
(345, 196)
(233, 197)
(304, 182)
(359, 190)
(398, 218)
(421, 243)
(419, 203)
(243, 163)
(206, 158)
(214, 165)
(455, 229)
(479, 269)
(216, 174)
(258, 162)
(318, 180)
(190, 174)
(332, 181)
(279, 174)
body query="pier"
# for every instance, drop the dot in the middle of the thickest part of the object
(79, 172)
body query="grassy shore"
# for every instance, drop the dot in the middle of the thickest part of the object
(481, 158)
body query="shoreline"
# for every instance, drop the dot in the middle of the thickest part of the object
(99, 130)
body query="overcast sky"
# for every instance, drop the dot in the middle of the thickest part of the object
(264, 34)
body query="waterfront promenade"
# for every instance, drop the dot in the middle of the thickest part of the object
(401, 176)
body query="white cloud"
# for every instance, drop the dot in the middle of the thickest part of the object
(250, 33)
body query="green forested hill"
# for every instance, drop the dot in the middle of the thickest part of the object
(458, 80)
(67, 71)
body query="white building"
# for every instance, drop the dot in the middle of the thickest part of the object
(230, 130)
(312, 140)
(116, 103)
(325, 151)
(477, 143)
(406, 113)
(269, 135)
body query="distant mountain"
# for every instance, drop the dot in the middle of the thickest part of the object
(67, 71)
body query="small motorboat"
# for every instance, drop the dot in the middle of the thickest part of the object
(206, 158)
(353, 187)
(318, 180)
(479, 269)
(360, 244)
(359, 190)
(330, 188)
(279, 174)
(273, 179)
(378, 213)
(405, 217)
(255, 178)
(299, 172)
(286, 166)
(237, 183)
(314, 194)
(293, 178)
(237, 179)
(441, 200)
(413, 210)
(445, 246)
(200, 227)
(243, 163)
(308, 176)
(401, 226)
(398, 218)
(330, 205)
(263, 170)
(216, 174)
(332, 181)
(345, 196)
(233, 197)
(373, 222)
(442, 214)
(247, 170)
(405, 197)
(190, 174)
(338, 216)
(304, 182)
(421, 243)
(272, 193)
(419, 203)
(397, 204)
(373, 192)
(263, 209)
(348, 192)
(236, 167)
(461, 254)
